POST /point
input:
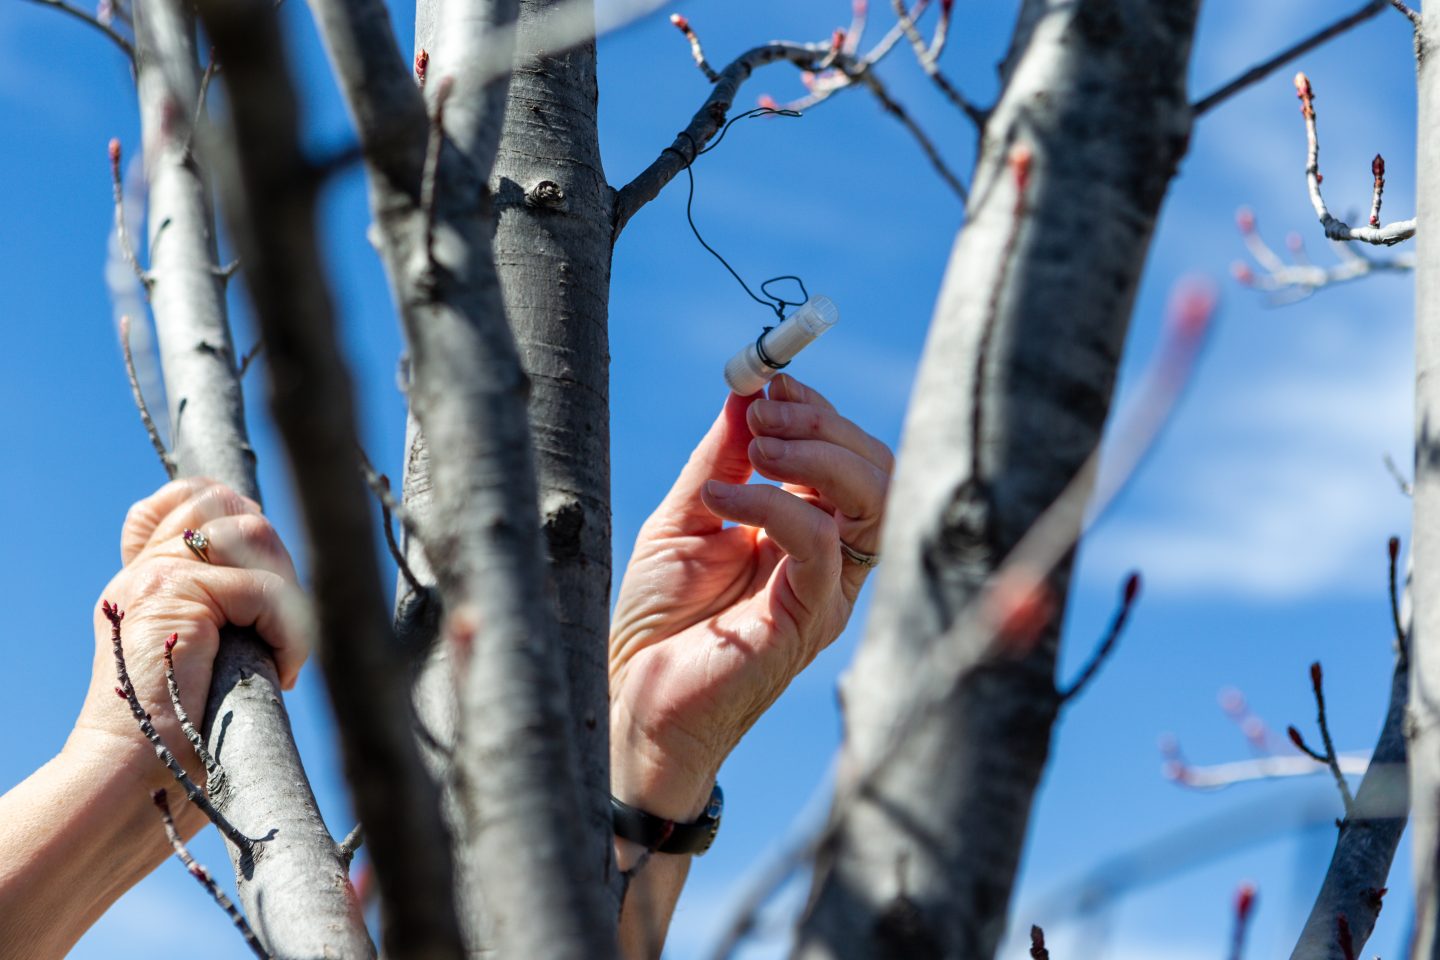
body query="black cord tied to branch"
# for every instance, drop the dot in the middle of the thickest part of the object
(772, 301)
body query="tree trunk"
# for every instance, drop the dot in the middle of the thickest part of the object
(1012, 394)
(1423, 726)
(552, 249)
(294, 889)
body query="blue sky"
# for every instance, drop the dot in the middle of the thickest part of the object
(1259, 522)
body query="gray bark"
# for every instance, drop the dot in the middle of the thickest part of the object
(552, 251)
(293, 888)
(921, 863)
(1423, 722)
(514, 753)
(271, 205)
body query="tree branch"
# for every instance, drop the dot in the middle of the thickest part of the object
(1244, 910)
(468, 396)
(1336, 229)
(298, 887)
(1317, 682)
(1365, 847)
(271, 211)
(81, 15)
(214, 772)
(126, 692)
(929, 56)
(1262, 70)
(122, 232)
(706, 122)
(166, 461)
(1128, 593)
(202, 876)
(1296, 280)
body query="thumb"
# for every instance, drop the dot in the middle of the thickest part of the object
(721, 455)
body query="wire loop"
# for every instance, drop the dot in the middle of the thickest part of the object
(766, 298)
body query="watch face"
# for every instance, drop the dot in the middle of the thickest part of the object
(717, 803)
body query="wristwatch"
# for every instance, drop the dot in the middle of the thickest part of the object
(666, 836)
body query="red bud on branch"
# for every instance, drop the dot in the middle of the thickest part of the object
(1244, 901)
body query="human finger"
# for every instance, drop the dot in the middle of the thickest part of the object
(786, 387)
(238, 540)
(807, 534)
(145, 515)
(208, 502)
(853, 484)
(269, 603)
(797, 420)
(720, 455)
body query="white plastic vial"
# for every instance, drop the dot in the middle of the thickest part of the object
(747, 372)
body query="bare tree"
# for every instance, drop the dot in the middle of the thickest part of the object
(483, 784)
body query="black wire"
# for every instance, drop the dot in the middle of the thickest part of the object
(770, 300)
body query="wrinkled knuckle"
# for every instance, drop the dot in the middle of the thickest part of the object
(218, 500)
(258, 539)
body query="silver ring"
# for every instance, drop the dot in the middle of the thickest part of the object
(867, 560)
(198, 543)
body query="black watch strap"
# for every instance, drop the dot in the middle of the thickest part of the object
(666, 836)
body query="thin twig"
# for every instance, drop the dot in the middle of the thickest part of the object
(214, 772)
(126, 692)
(428, 180)
(1037, 944)
(1402, 647)
(126, 47)
(859, 17)
(122, 233)
(1218, 776)
(1405, 485)
(698, 52)
(1336, 229)
(389, 506)
(928, 54)
(1261, 70)
(166, 461)
(1244, 909)
(932, 153)
(1292, 282)
(1332, 760)
(351, 843)
(1122, 613)
(1299, 740)
(891, 38)
(210, 70)
(249, 357)
(1377, 168)
(1413, 16)
(162, 803)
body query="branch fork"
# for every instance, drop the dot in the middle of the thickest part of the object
(1335, 228)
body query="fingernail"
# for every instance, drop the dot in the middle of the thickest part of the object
(772, 414)
(771, 448)
(718, 490)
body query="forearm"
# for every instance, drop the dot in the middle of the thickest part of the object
(77, 834)
(660, 786)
